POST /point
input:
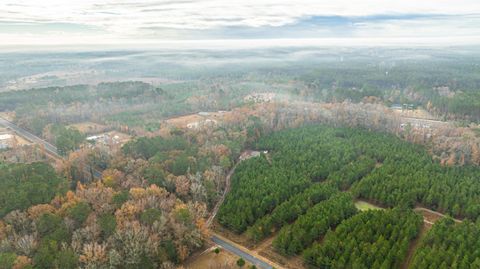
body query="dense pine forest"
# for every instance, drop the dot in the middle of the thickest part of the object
(298, 158)
(289, 211)
(369, 240)
(450, 245)
(295, 192)
(292, 239)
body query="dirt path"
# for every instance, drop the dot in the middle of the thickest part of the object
(227, 186)
(435, 213)
(222, 199)
(265, 244)
(429, 216)
(415, 244)
(268, 251)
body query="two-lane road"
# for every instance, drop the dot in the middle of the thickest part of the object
(49, 148)
(237, 251)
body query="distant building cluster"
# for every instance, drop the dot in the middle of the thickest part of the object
(109, 139)
(265, 97)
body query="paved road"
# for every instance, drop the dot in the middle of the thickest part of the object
(250, 258)
(49, 148)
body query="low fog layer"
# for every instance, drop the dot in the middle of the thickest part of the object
(20, 70)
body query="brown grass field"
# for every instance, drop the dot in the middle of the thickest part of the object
(88, 127)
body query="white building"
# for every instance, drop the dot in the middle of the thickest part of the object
(6, 141)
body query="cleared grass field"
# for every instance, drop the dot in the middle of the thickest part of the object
(363, 206)
(89, 127)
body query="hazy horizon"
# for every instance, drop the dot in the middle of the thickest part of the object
(252, 23)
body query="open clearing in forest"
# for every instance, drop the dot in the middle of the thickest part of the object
(429, 216)
(183, 121)
(363, 206)
(88, 127)
(194, 121)
(415, 113)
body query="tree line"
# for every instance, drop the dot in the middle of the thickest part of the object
(449, 245)
(289, 210)
(370, 240)
(294, 238)
(23, 185)
(410, 178)
(381, 168)
(297, 158)
(284, 189)
(298, 204)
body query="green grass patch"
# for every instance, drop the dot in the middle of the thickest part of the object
(364, 206)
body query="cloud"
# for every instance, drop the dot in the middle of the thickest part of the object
(121, 20)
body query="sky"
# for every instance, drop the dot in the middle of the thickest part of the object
(292, 22)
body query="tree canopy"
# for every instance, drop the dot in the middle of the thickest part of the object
(23, 185)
